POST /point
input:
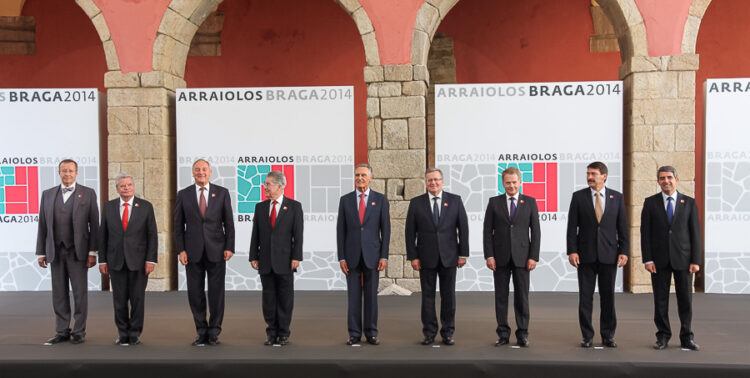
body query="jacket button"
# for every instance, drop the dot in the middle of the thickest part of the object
(361, 228)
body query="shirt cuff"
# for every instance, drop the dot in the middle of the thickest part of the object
(151, 262)
(648, 262)
(93, 253)
(104, 263)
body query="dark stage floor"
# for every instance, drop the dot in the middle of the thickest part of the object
(721, 324)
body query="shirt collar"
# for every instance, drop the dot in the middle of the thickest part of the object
(367, 192)
(604, 188)
(517, 196)
(73, 185)
(278, 200)
(130, 202)
(198, 187)
(440, 195)
(664, 196)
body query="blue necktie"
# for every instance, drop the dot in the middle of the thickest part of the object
(670, 210)
(435, 211)
(512, 207)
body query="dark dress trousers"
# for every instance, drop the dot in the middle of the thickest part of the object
(598, 246)
(672, 248)
(512, 242)
(125, 252)
(275, 248)
(437, 247)
(362, 245)
(205, 241)
(67, 233)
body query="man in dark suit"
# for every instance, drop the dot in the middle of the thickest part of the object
(363, 233)
(204, 239)
(275, 252)
(671, 246)
(597, 246)
(511, 247)
(67, 241)
(128, 240)
(437, 241)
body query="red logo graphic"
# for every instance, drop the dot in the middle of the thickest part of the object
(543, 186)
(21, 190)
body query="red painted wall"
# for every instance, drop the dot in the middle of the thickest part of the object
(525, 41)
(288, 43)
(69, 53)
(723, 42)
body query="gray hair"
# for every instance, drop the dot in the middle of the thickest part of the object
(123, 176)
(277, 177)
(203, 160)
(667, 168)
(430, 170)
(364, 165)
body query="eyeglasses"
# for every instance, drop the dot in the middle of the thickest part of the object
(434, 180)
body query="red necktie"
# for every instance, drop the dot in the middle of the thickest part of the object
(273, 213)
(202, 203)
(362, 208)
(125, 217)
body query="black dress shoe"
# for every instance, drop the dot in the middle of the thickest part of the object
(609, 343)
(501, 341)
(134, 340)
(373, 340)
(660, 344)
(428, 340)
(283, 340)
(213, 340)
(200, 341)
(691, 345)
(270, 340)
(77, 339)
(353, 340)
(448, 340)
(124, 341)
(523, 342)
(57, 339)
(586, 343)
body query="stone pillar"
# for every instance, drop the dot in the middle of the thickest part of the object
(659, 112)
(396, 142)
(141, 142)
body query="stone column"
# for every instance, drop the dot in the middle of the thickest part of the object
(659, 112)
(141, 142)
(396, 142)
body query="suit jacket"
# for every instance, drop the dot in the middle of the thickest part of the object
(519, 238)
(594, 241)
(193, 234)
(369, 240)
(132, 247)
(442, 243)
(275, 247)
(677, 244)
(85, 222)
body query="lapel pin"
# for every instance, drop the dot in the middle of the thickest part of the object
(373, 204)
(682, 201)
(612, 196)
(136, 205)
(81, 196)
(284, 207)
(213, 194)
(521, 201)
(445, 204)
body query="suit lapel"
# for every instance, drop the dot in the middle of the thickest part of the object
(282, 209)
(73, 197)
(680, 202)
(609, 202)
(589, 203)
(194, 199)
(372, 201)
(446, 203)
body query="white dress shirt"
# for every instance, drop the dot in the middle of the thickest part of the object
(278, 205)
(439, 202)
(664, 197)
(367, 196)
(507, 200)
(205, 193)
(67, 195)
(603, 194)
(130, 207)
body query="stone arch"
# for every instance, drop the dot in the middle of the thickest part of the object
(628, 24)
(176, 30)
(366, 30)
(100, 23)
(692, 25)
(429, 17)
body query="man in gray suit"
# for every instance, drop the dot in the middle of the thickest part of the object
(128, 242)
(67, 241)
(511, 248)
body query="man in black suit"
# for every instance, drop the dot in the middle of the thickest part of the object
(67, 240)
(128, 240)
(671, 246)
(275, 252)
(511, 247)
(437, 241)
(363, 234)
(204, 239)
(597, 246)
